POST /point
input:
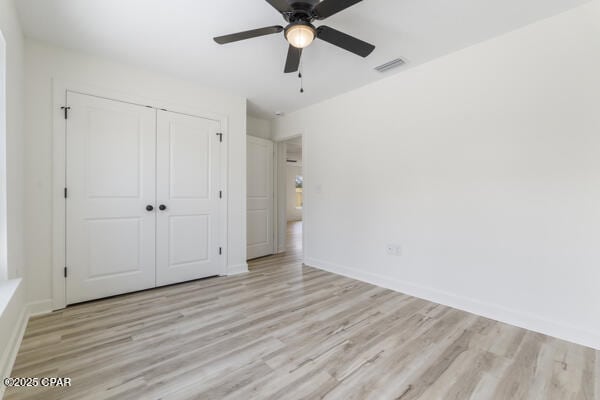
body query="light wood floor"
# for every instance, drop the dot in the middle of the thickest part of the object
(284, 331)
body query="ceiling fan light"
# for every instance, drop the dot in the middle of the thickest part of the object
(300, 36)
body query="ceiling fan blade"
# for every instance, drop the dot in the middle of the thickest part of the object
(345, 41)
(280, 5)
(234, 37)
(327, 8)
(293, 59)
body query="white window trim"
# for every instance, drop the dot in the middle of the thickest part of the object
(3, 186)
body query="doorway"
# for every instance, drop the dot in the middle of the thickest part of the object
(275, 197)
(293, 203)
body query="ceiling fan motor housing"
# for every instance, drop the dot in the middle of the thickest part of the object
(301, 11)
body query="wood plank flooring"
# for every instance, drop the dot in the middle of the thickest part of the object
(284, 331)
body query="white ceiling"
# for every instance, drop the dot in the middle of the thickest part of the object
(175, 37)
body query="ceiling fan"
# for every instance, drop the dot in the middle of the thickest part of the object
(300, 32)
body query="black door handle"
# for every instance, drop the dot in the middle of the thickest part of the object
(149, 207)
(162, 207)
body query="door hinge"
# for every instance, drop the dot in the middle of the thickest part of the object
(220, 250)
(220, 194)
(65, 272)
(66, 111)
(220, 135)
(66, 193)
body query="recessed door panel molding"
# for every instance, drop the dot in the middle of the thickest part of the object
(190, 159)
(189, 191)
(260, 197)
(116, 137)
(258, 227)
(114, 246)
(184, 248)
(110, 177)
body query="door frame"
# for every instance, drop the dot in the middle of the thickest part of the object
(281, 193)
(59, 129)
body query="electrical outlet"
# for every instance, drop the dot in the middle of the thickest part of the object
(393, 250)
(398, 250)
(390, 249)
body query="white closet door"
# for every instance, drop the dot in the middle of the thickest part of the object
(110, 178)
(260, 197)
(188, 181)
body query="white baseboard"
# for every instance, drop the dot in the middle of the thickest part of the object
(13, 344)
(237, 269)
(492, 311)
(39, 307)
(597, 380)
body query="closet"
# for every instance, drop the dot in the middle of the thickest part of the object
(144, 197)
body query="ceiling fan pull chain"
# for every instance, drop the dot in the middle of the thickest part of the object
(301, 81)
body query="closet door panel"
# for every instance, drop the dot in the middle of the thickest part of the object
(110, 175)
(188, 171)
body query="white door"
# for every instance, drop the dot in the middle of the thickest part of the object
(189, 189)
(260, 197)
(110, 175)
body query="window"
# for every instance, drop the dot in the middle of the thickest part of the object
(299, 183)
(3, 252)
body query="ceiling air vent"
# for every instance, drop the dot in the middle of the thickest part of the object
(390, 64)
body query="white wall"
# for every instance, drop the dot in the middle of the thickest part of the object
(12, 294)
(259, 127)
(484, 165)
(11, 30)
(292, 213)
(43, 63)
